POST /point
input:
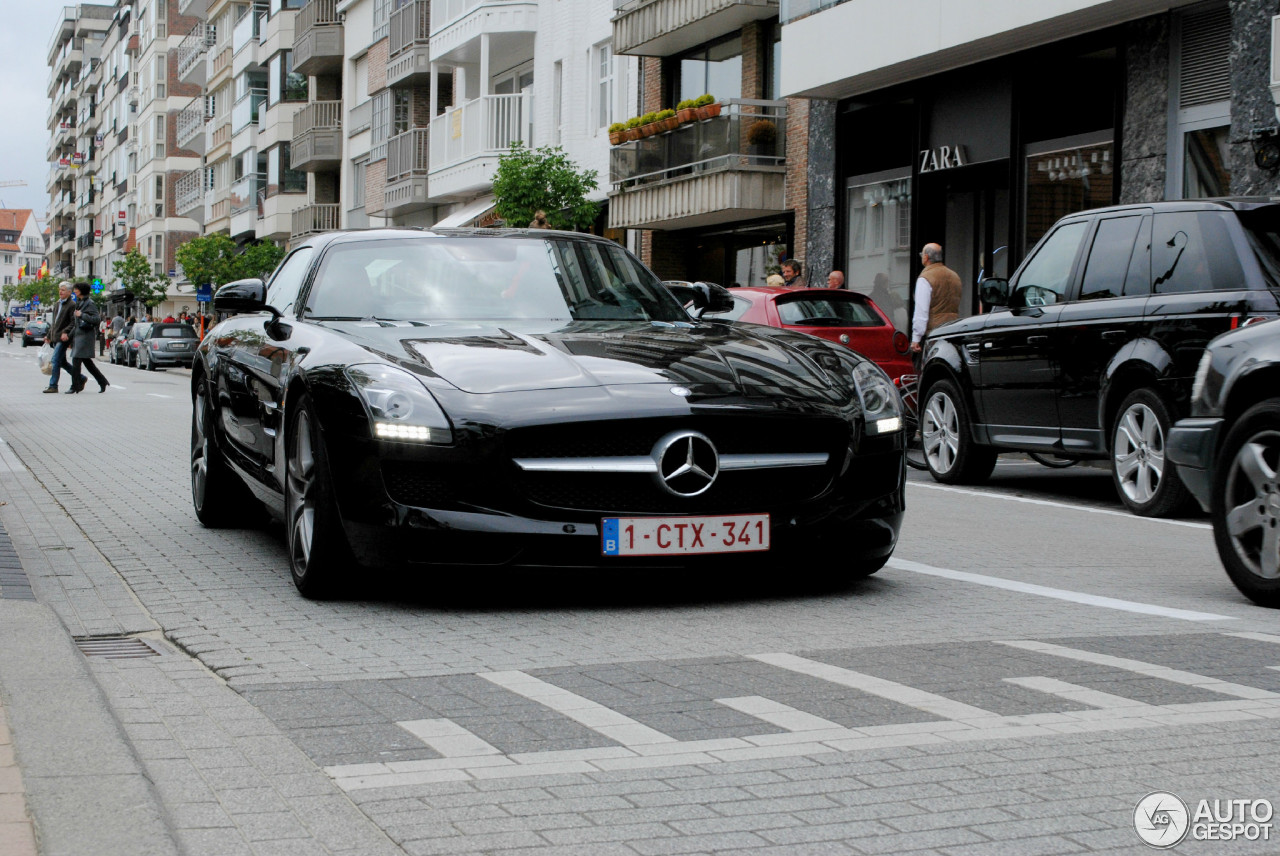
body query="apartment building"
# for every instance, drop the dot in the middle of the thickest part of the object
(21, 244)
(722, 199)
(978, 123)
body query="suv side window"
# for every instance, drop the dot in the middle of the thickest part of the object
(1193, 251)
(1138, 280)
(1044, 279)
(283, 290)
(1104, 275)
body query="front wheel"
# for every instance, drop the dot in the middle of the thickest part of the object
(945, 430)
(1145, 479)
(318, 548)
(1245, 504)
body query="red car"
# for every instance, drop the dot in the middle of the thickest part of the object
(846, 317)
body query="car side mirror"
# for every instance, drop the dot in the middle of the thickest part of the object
(709, 297)
(995, 291)
(243, 295)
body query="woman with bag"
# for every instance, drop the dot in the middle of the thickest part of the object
(86, 339)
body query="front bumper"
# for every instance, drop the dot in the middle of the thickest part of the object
(1193, 447)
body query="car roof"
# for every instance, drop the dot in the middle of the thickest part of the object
(344, 236)
(1230, 203)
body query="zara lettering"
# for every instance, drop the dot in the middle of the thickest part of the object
(943, 157)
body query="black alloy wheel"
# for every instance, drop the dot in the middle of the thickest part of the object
(318, 548)
(1245, 503)
(220, 498)
(949, 450)
(1145, 479)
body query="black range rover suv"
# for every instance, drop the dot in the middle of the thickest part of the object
(1089, 349)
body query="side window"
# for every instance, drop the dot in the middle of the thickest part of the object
(1045, 278)
(1138, 280)
(739, 309)
(1104, 274)
(1193, 251)
(283, 290)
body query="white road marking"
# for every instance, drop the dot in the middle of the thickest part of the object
(781, 715)
(937, 705)
(1257, 637)
(448, 738)
(1152, 670)
(600, 719)
(1073, 692)
(1059, 594)
(158, 395)
(993, 495)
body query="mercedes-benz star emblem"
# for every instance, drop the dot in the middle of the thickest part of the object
(687, 463)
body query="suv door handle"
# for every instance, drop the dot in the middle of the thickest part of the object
(1037, 340)
(1113, 336)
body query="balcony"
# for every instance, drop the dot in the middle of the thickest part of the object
(314, 219)
(728, 168)
(246, 110)
(191, 53)
(667, 27)
(456, 23)
(218, 130)
(407, 165)
(467, 140)
(409, 44)
(188, 194)
(245, 202)
(317, 137)
(219, 64)
(219, 214)
(245, 35)
(190, 125)
(317, 40)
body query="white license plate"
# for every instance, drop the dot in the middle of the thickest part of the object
(178, 346)
(681, 536)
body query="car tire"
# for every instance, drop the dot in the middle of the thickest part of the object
(220, 498)
(318, 548)
(1146, 480)
(949, 451)
(150, 365)
(1245, 503)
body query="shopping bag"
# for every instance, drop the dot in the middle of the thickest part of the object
(45, 356)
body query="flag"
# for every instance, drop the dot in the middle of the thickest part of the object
(22, 272)
(44, 269)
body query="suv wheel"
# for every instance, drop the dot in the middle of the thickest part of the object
(1245, 504)
(949, 450)
(1145, 479)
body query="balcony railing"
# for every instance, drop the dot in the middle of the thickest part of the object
(407, 154)
(445, 12)
(248, 192)
(746, 133)
(485, 126)
(318, 115)
(317, 13)
(410, 26)
(311, 219)
(246, 110)
(189, 191)
(669, 27)
(191, 122)
(221, 132)
(221, 61)
(248, 28)
(220, 209)
(192, 48)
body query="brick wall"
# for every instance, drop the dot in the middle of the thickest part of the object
(177, 29)
(375, 182)
(173, 240)
(796, 194)
(378, 66)
(171, 138)
(652, 81)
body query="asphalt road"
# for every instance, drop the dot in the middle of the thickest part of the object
(1032, 663)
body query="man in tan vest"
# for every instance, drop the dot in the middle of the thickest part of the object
(937, 296)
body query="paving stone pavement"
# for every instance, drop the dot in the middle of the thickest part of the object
(266, 721)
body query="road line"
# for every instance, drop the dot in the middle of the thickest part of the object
(448, 738)
(779, 714)
(1058, 594)
(600, 719)
(1074, 692)
(1257, 637)
(993, 495)
(158, 395)
(937, 705)
(1152, 670)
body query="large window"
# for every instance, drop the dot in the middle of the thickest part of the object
(1199, 166)
(715, 68)
(401, 111)
(879, 240)
(604, 84)
(1065, 176)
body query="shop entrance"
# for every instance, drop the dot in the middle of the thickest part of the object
(967, 211)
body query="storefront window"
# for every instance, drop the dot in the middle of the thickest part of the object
(1066, 176)
(714, 69)
(1204, 163)
(879, 240)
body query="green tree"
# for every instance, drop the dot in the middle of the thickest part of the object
(543, 179)
(46, 289)
(137, 277)
(258, 260)
(208, 259)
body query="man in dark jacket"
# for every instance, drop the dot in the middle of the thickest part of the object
(60, 333)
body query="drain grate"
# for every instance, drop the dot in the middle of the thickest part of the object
(116, 647)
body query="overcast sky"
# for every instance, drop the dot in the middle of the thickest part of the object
(24, 139)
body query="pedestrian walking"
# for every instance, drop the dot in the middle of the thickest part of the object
(59, 335)
(937, 296)
(86, 326)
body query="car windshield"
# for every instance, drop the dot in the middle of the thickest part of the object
(487, 278)
(1263, 228)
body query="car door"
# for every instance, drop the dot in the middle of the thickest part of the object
(1017, 377)
(1106, 313)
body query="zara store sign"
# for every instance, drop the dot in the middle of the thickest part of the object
(943, 157)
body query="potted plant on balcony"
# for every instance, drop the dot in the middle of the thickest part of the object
(633, 130)
(686, 111)
(649, 125)
(617, 133)
(668, 120)
(762, 135)
(708, 107)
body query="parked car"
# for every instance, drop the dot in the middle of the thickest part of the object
(531, 398)
(1092, 344)
(844, 317)
(1228, 455)
(33, 333)
(168, 345)
(125, 347)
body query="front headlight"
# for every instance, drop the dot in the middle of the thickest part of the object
(1202, 373)
(400, 407)
(881, 404)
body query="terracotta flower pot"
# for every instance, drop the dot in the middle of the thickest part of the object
(670, 123)
(617, 137)
(631, 135)
(688, 114)
(650, 129)
(712, 110)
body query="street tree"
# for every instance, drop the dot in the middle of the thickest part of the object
(137, 277)
(209, 259)
(543, 179)
(46, 289)
(258, 260)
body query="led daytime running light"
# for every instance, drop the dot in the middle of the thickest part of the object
(391, 431)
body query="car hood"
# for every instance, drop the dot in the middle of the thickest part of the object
(747, 359)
